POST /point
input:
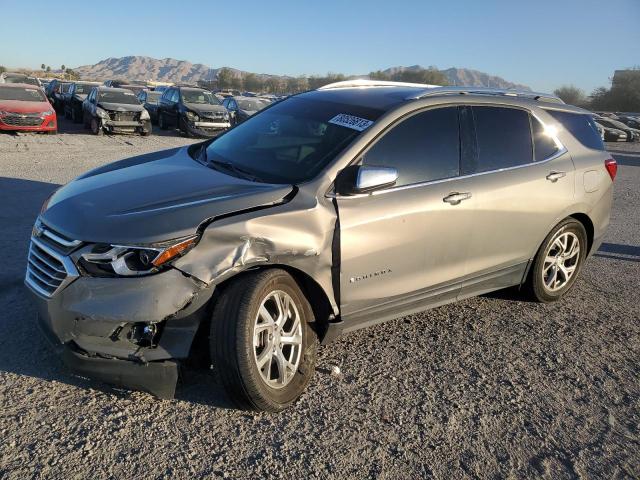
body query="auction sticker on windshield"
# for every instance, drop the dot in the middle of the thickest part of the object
(350, 121)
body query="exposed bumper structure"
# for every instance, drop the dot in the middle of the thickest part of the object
(133, 126)
(207, 129)
(126, 331)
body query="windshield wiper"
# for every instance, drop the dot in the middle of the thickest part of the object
(239, 171)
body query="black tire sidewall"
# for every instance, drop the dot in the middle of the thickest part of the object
(537, 287)
(247, 381)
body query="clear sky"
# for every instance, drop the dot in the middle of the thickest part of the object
(540, 43)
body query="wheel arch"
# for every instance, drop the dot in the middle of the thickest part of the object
(587, 223)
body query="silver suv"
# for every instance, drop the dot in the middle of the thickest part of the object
(333, 210)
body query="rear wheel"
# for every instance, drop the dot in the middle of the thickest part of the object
(262, 346)
(558, 262)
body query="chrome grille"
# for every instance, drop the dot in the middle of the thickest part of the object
(22, 120)
(49, 269)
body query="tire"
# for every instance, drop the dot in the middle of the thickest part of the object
(96, 128)
(162, 123)
(231, 341)
(540, 285)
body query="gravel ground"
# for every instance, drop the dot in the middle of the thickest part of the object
(491, 387)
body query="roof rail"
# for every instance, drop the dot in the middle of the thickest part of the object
(541, 97)
(361, 82)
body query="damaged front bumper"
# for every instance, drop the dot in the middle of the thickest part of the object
(133, 126)
(126, 331)
(207, 129)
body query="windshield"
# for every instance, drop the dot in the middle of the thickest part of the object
(200, 97)
(23, 94)
(253, 104)
(118, 97)
(292, 141)
(153, 97)
(64, 88)
(84, 88)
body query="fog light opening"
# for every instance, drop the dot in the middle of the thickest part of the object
(144, 334)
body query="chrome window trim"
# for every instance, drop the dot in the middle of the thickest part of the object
(561, 151)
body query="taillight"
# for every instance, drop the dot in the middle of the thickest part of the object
(612, 167)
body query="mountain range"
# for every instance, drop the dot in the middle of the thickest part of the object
(172, 70)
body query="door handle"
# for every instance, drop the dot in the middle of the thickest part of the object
(455, 198)
(555, 176)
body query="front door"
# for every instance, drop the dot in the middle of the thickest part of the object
(403, 248)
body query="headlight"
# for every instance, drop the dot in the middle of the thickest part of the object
(4, 112)
(102, 113)
(135, 260)
(145, 115)
(192, 116)
(47, 113)
(226, 115)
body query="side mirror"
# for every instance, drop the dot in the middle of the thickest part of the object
(364, 179)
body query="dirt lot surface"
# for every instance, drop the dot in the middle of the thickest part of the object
(491, 387)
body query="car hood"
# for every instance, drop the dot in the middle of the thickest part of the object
(24, 107)
(202, 109)
(248, 113)
(120, 107)
(151, 198)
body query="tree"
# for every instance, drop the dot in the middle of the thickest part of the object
(225, 78)
(48, 69)
(42, 67)
(571, 95)
(71, 75)
(2, 69)
(252, 83)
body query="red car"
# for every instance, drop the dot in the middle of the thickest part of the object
(26, 108)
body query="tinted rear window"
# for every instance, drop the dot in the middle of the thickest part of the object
(581, 126)
(503, 139)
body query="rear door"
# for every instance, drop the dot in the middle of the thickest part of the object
(404, 247)
(523, 180)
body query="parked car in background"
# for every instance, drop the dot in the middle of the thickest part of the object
(56, 92)
(149, 100)
(241, 108)
(331, 211)
(630, 121)
(611, 134)
(632, 135)
(134, 88)
(12, 77)
(115, 110)
(74, 98)
(194, 111)
(24, 107)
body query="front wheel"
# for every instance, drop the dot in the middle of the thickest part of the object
(262, 346)
(558, 262)
(96, 127)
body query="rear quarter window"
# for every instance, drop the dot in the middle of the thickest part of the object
(581, 126)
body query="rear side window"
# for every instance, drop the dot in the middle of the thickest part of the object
(423, 148)
(543, 145)
(503, 139)
(581, 126)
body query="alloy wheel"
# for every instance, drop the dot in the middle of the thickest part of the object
(561, 261)
(277, 339)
